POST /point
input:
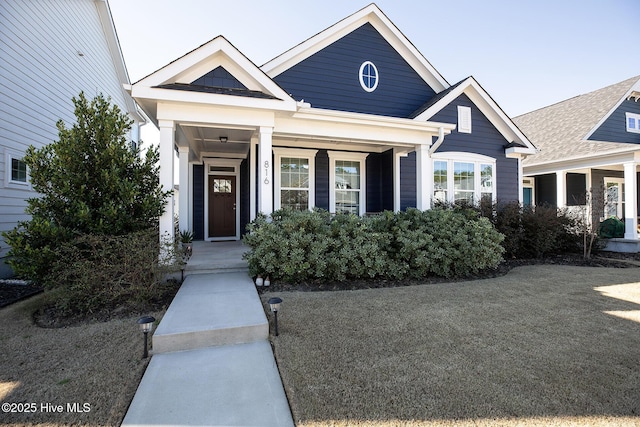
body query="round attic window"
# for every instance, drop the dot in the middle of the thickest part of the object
(369, 76)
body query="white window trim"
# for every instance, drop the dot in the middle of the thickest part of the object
(452, 157)
(9, 182)
(464, 119)
(361, 76)
(354, 157)
(297, 153)
(632, 116)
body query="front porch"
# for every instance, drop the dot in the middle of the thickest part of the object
(216, 257)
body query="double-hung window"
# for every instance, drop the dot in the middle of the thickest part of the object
(347, 182)
(294, 178)
(463, 177)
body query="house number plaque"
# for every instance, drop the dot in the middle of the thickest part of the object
(266, 172)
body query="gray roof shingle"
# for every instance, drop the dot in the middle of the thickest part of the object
(558, 131)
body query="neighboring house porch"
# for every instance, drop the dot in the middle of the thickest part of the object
(588, 144)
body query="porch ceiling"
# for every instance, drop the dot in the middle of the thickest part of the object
(207, 140)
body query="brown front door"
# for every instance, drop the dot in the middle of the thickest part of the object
(222, 206)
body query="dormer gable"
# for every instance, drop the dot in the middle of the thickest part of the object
(216, 73)
(518, 142)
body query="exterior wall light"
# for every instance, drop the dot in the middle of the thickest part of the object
(146, 322)
(274, 303)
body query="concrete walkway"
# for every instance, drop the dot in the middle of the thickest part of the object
(212, 364)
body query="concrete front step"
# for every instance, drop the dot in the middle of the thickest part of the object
(188, 270)
(236, 385)
(212, 310)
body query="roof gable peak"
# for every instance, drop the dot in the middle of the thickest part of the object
(370, 14)
(217, 52)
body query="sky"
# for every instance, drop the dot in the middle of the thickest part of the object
(527, 54)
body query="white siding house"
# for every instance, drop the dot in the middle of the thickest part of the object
(50, 50)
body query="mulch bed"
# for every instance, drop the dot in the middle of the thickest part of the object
(11, 292)
(607, 260)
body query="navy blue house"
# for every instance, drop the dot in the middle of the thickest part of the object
(353, 119)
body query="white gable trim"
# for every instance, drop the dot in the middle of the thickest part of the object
(216, 52)
(488, 107)
(627, 95)
(370, 14)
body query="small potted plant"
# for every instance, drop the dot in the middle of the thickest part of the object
(186, 237)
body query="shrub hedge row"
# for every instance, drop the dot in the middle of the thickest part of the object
(301, 246)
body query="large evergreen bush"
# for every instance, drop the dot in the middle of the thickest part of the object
(92, 181)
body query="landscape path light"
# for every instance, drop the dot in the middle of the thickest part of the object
(146, 322)
(274, 303)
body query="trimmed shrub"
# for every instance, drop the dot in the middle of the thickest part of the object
(303, 246)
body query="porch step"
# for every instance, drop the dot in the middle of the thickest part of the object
(191, 270)
(216, 257)
(212, 310)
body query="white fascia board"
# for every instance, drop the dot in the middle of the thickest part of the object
(634, 88)
(214, 115)
(354, 127)
(319, 114)
(599, 160)
(370, 14)
(487, 106)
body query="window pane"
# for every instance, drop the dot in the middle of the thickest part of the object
(632, 123)
(440, 181)
(463, 181)
(294, 173)
(463, 176)
(486, 178)
(222, 186)
(348, 202)
(18, 170)
(347, 175)
(295, 199)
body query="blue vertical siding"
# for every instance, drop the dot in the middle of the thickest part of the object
(485, 139)
(614, 129)
(330, 78)
(408, 196)
(198, 202)
(386, 180)
(379, 167)
(322, 180)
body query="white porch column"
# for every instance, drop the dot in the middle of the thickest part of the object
(397, 156)
(167, 154)
(561, 189)
(252, 178)
(630, 201)
(520, 182)
(184, 210)
(265, 177)
(424, 178)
